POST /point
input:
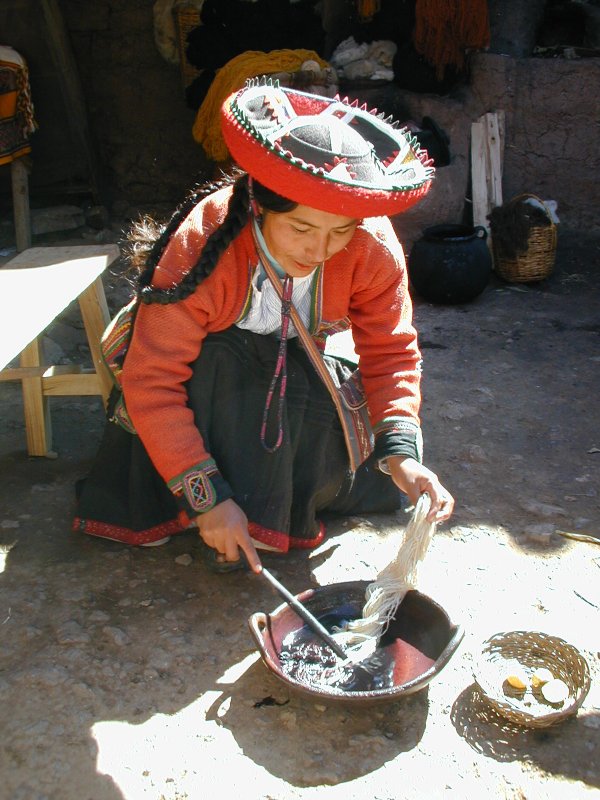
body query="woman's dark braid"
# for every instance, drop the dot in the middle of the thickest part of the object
(145, 277)
(217, 242)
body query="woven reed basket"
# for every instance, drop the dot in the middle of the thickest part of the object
(187, 17)
(531, 650)
(537, 262)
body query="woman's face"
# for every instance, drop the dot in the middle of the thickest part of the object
(301, 239)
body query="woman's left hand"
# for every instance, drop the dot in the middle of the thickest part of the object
(414, 479)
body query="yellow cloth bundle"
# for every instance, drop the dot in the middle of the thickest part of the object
(207, 125)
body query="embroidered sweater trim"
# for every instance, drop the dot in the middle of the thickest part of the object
(395, 425)
(326, 331)
(248, 301)
(316, 301)
(200, 488)
(397, 436)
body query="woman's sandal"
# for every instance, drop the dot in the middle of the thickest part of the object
(215, 562)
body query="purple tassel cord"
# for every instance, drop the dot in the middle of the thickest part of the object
(280, 371)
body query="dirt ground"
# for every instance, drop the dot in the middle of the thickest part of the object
(130, 672)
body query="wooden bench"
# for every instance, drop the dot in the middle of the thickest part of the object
(35, 287)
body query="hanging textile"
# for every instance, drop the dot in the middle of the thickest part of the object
(446, 29)
(17, 122)
(367, 9)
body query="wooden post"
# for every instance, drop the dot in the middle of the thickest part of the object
(479, 175)
(487, 147)
(495, 161)
(20, 195)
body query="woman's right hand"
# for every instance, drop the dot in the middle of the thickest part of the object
(225, 528)
(413, 478)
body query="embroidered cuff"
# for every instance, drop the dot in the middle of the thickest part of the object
(397, 436)
(200, 488)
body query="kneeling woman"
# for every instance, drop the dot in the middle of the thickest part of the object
(234, 430)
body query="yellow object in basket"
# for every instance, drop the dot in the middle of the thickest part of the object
(541, 676)
(555, 691)
(518, 679)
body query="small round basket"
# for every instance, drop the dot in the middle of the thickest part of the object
(536, 261)
(531, 650)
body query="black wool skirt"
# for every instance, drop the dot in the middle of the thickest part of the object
(285, 493)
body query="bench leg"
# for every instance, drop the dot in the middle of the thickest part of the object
(37, 412)
(94, 312)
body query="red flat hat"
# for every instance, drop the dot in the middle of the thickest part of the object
(324, 153)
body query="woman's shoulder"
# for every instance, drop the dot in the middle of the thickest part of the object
(210, 211)
(186, 244)
(376, 235)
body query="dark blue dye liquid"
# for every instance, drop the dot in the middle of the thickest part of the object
(305, 658)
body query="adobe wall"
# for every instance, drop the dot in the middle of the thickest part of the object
(552, 128)
(136, 103)
(552, 143)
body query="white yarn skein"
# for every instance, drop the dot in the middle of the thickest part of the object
(386, 593)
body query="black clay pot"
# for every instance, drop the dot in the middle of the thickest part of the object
(450, 263)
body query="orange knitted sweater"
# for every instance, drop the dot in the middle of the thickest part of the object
(366, 283)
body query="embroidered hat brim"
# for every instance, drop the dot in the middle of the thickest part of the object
(325, 153)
